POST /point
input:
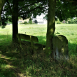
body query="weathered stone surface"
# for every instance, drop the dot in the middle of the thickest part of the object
(60, 47)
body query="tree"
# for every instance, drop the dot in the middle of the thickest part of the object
(17, 8)
(15, 21)
(63, 8)
(51, 21)
(66, 9)
(50, 26)
(2, 2)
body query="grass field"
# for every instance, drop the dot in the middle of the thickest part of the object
(68, 30)
(39, 70)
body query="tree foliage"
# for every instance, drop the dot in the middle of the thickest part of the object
(64, 8)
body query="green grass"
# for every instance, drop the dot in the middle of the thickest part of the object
(13, 65)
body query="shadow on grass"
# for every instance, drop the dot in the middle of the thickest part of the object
(72, 49)
(19, 62)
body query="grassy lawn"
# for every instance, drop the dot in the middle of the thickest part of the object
(12, 65)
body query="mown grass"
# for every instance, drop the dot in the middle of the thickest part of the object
(14, 63)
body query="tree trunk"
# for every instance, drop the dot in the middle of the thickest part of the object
(50, 27)
(15, 21)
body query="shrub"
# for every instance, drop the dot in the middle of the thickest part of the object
(30, 22)
(25, 22)
(36, 21)
(58, 22)
(9, 22)
(72, 21)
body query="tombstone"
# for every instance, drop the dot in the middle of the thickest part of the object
(60, 47)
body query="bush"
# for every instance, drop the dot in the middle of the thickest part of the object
(9, 22)
(72, 21)
(75, 21)
(30, 22)
(36, 21)
(58, 22)
(25, 22)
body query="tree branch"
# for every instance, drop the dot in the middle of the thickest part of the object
(27, 5)
(30, 10)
